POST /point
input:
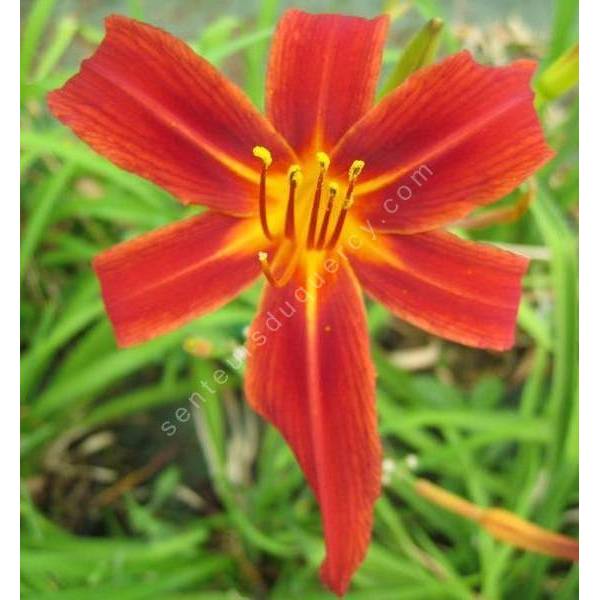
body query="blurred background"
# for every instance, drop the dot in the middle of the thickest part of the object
(128, 491)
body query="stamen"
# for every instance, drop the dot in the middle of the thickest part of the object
(353, 173)
(263, 259)
(356, 169)
(266, 158)
(294, 178)
(339, 225)
(264, 155)
(323, 160)
(314, 215)
(333, 190)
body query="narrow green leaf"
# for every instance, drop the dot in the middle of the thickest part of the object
(256, 54)
(40, 214)
(63, 36)
(216, 35)
(66, 147)
(34, 29)
(420, 52)
(530, 321)
(563, 27)
(99, 375)
(561, 240)
(81, 309)
(560, 77)
(217, 55)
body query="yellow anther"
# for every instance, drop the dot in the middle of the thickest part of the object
(355, 169)
(323, 160)
(263, 257)
(295, 174)
(333, 189)
(264, 155)
(353, 173)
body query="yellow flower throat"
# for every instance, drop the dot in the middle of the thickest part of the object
(308, 223)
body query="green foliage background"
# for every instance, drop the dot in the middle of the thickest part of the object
(115, 503)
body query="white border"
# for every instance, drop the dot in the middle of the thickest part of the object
(589, 301)
(589, 308)
(9, 324)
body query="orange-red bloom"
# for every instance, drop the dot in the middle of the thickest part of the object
(325, 194)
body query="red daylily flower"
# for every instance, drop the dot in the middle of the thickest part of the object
(318, 190)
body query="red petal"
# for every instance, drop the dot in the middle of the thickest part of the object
(159, 281)
(148, 103)
(455, 136)
(463, 291)
(322, 76)
(309, 373)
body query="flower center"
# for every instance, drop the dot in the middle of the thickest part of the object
(310, 224)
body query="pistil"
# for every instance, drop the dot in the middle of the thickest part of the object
(290, 266)
(263, 259)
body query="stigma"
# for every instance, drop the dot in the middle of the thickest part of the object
(316, 208)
